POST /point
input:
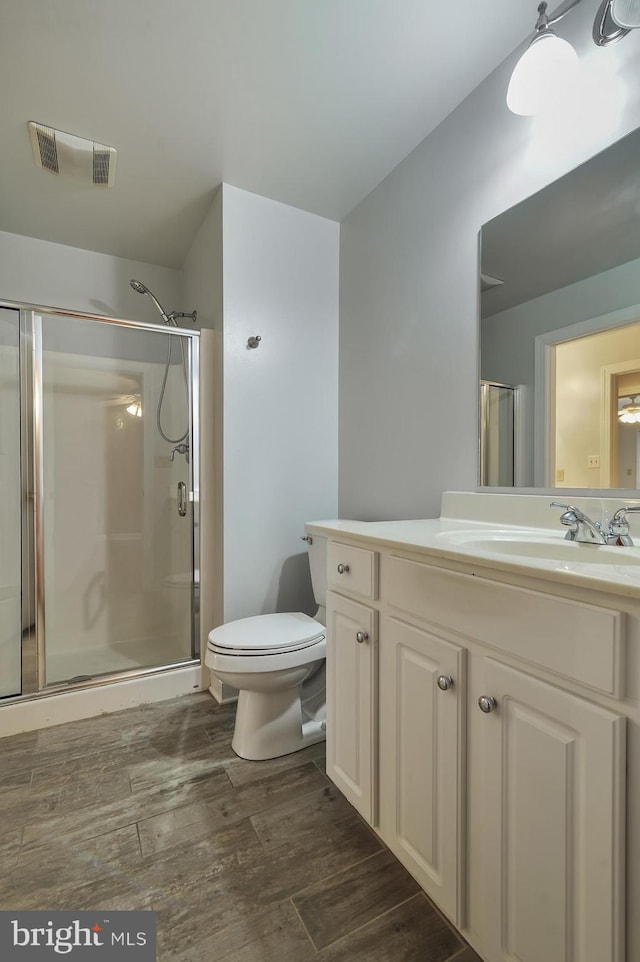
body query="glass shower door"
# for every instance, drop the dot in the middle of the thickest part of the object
(497, 434)
(11, 626)
(116, 531)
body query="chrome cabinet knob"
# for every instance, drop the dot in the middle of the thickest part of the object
(445, 682)
(361, 637)
(487, 703)
(343, 569)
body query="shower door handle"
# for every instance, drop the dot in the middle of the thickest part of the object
(182, 499)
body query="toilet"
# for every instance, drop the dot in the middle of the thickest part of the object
(277, 663)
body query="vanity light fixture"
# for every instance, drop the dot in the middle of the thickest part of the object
(135, 408)
(549, 63)
(630, 413)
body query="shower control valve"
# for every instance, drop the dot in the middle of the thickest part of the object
(180, 449)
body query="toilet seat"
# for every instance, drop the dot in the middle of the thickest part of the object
(265, 635)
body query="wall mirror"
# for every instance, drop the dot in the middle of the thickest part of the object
(560, 331)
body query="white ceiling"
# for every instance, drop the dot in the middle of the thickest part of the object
(309, 102)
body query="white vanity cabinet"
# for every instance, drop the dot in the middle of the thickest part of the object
(546, 819)
(479, 735)
(352, 696)
(422, 706)
(352, 675)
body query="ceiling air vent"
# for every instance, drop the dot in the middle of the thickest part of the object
(70, 156)
(47, 147)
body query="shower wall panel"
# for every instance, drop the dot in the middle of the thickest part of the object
(10, 506)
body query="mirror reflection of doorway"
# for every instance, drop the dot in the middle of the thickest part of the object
(626, 433)
(592, 376)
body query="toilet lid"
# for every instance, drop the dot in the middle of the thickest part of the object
(263, 634)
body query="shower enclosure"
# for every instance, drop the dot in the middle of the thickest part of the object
(498, 417)
(98, 514)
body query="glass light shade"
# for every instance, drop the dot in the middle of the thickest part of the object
(135, 409)
(545, 69)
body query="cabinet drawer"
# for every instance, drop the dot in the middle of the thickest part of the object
(579, 641)
(351, 570)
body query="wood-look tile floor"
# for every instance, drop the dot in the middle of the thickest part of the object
(243, 861)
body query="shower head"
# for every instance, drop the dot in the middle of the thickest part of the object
(171, 319)
(140, 288)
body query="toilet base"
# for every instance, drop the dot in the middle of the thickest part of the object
(270, 724)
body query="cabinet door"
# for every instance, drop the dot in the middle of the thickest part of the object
(352, 685)
(550, 821)
(420, 756)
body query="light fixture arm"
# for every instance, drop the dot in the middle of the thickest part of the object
(561, 12)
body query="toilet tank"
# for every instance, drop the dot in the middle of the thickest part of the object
(318, 564)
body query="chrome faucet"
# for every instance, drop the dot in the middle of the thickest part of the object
(581, 527)
(586, 531)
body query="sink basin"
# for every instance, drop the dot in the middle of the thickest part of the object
(543, 548)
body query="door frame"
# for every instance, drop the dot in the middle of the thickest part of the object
(545, 389)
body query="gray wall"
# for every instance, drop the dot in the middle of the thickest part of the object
(202, 269)
(56, 275)
(408, 278)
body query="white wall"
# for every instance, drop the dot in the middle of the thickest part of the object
(54, 275)
(280, 401)
(409, 264)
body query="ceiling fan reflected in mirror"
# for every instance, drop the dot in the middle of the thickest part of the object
(629, 409)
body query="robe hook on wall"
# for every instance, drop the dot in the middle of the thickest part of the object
(254, 341)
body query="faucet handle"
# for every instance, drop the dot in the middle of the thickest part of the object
(619, 525)
(571, 513)
(620, 517)
(570, 517)
(581, 528)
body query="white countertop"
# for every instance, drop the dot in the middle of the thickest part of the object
(490, 544)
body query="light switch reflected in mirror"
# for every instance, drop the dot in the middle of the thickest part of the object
(560, 335)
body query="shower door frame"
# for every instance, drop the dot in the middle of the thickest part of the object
(33, 640)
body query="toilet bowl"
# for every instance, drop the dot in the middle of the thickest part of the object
(277, 663)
